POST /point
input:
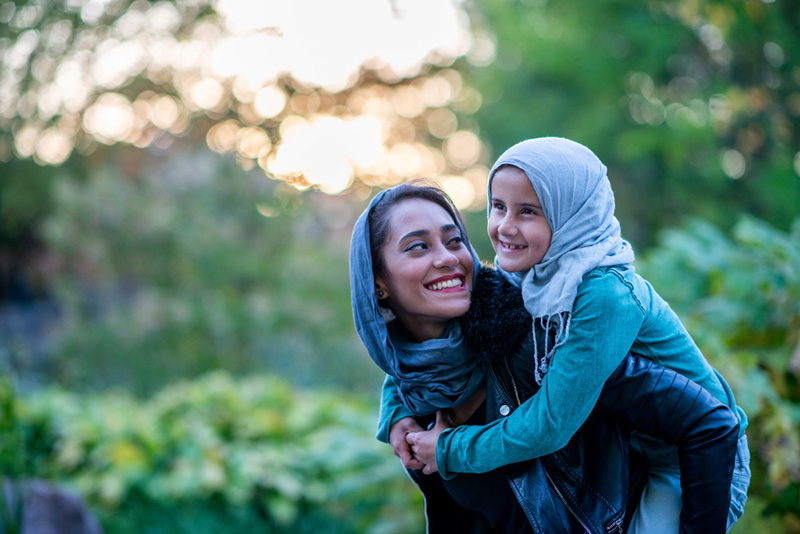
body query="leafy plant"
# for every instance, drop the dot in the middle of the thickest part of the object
(12, 461)
(740, 299)
(250, 454)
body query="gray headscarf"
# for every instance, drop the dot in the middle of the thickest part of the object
(576, 197)
(432, 375)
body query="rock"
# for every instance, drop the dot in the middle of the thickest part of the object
(48, 509)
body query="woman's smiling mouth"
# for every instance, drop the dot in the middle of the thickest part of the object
(447, 283)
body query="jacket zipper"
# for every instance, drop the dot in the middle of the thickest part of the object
(616, 526)
(504, 396)
(513, 382)
(613, 527)
(564, 501)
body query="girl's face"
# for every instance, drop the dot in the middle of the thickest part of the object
(428, 268)
(517, 227)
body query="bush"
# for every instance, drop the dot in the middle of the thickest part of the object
(219, 454)
(740, 298)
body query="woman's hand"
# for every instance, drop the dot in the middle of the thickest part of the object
(400, 447)
(423, 444)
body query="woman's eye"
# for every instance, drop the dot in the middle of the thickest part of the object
(456, 241)
(416, 246)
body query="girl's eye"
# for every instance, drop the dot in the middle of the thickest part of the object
(527, 211)
(497, 206)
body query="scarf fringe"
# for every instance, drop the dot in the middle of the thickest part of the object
(559, 323)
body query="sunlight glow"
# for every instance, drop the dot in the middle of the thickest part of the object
(25, 141)
(478, 176)
(110, 118)
(317, 93)
(442, 123)
(327, 150)
(460, 189)
(164, 112)
(251, 141)
(207, 93)
(463, 149)
(269, 101)
(53, 147)
(221, 136)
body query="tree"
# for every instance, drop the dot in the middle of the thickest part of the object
(316, 93)
(692, 105)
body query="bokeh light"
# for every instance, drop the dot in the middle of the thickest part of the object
(734, 164)
(319, 94)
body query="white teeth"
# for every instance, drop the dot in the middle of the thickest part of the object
(438, 286)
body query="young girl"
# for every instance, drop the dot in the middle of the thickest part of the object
(552, 225)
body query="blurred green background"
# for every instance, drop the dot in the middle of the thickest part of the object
(178, 183)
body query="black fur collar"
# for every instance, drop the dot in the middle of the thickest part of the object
(497, 317)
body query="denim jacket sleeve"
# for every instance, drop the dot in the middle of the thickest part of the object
(606, 319)
(666, 405)
(392, 410)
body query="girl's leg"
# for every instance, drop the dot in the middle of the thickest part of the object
(741, 481)
(659, 509)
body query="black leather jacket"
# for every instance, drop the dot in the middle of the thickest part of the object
(593, 478)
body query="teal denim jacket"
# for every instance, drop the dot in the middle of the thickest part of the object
(615, 311)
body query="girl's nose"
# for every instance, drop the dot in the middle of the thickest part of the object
(507, 227)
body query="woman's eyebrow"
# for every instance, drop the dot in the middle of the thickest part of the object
(423, 232)
(415, 233)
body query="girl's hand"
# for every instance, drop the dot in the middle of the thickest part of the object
(423, 444)
(400, 447)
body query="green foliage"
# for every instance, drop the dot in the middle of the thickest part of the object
(12, 461)
(195, 265)
(740, 298)
(676, 97)
(219, 454)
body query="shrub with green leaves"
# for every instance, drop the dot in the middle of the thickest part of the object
(739, 296)
(219, 454)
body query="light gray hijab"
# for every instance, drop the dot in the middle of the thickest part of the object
(432, 375)
(576, 197)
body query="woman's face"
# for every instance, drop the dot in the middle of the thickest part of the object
(428, 268)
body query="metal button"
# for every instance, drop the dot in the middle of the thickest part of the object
(505, 410)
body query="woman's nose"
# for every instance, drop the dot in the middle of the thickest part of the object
(445, 258)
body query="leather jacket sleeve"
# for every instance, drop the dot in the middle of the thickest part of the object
(666, 405)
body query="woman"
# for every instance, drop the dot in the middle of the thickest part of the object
(413, 274)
